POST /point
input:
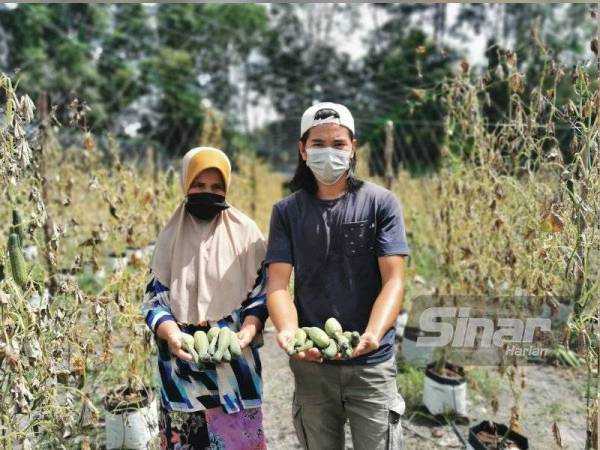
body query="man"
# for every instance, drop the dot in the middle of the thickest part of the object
(346, 242)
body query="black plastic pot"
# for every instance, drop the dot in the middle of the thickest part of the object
(453, 381)
(419, 356)
(123, 398)
(412, 333)
(496, 429)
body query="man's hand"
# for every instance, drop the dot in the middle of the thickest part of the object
(368, 343)
(174, 341)
(283, 339)
(312, 355)
(386, 306)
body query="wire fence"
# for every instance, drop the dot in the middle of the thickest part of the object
(417, 139)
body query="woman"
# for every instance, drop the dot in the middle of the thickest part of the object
(207, 271)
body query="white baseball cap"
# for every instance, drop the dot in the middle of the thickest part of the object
(326, 112)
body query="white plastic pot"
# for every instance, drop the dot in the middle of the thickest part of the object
(67, 275)
(38, 301)
(135, 256)
(559, 314)
(401, 322)
(131, 427)
(416, 356)
(148, 250)
(116, 263)
(443, 394)
(99, 275)
(30, 252)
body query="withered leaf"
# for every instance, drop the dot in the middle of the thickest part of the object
(551, 222)
(556, 434)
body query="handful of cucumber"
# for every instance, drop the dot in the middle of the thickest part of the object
(215, 346)
(329, 342)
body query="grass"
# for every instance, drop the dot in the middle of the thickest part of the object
(483, 383)
(410, 382)
(556, 409)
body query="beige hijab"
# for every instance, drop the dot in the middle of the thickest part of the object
(209, 266)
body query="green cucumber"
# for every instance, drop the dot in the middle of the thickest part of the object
(213, 333)
(343, 344)
(234, 346)
(201, 345)
(227, 355)
(297, 341)
(17, 261)
(319, 337)
(335, 331)
(212, 345)
(187, 344)
(17, 226)
(332, 327)
(291, 345)
(222, 344)
(308, 344)
(300, 337)
(330, 351)
(355, 339)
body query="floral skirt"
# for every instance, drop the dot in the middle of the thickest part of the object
(212, 429)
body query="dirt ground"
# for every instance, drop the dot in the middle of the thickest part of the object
(278, 386)
(552, 395)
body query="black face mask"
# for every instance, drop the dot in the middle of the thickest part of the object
(205, 205)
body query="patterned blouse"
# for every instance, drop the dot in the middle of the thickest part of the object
(235, 386)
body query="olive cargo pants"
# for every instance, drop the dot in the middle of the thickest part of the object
(366, 395)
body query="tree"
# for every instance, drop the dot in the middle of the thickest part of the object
(537, 41)
(200, 46)
(124, 50)
(299, 64)
(52, 49)
(404, 69)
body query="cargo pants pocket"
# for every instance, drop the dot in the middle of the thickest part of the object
(395, 439)
(299, 426)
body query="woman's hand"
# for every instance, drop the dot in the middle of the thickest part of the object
(248, 331)
(174, 341)
(170, 332)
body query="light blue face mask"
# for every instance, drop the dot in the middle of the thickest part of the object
(328, 164)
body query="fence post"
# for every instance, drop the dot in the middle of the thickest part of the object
(42, 172)
(253, 185)
(388, 153)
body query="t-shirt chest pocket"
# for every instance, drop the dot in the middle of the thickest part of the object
(358, 238)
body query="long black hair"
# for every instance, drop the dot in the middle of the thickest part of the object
(305, 179)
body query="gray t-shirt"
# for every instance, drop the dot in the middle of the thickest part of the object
(333, 246)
